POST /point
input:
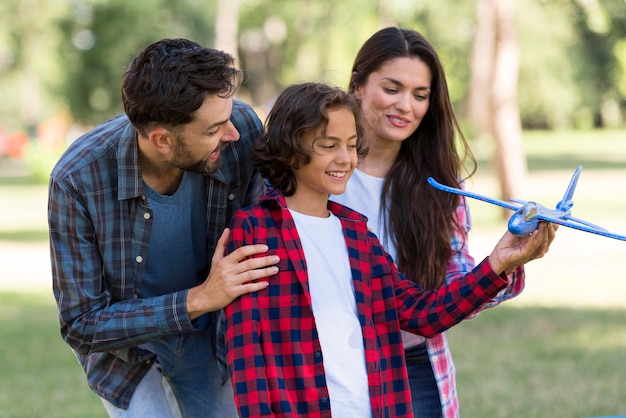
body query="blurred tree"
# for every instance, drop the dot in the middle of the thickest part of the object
(573, 52)
(101, 37)
(548, 93)
(227, 27)
(570, 70)
(493, 91)
(28, 61)
(600, 25)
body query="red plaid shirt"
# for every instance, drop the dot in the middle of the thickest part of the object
(274, 354)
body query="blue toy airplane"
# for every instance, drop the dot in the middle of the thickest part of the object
(528, 214)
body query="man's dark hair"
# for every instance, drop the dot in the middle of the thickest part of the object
(169, 79)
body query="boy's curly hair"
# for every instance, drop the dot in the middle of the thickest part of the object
(298, 110)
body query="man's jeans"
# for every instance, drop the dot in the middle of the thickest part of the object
(153, 398)
(189, 366)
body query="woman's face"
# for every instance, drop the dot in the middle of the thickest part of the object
(395, 99)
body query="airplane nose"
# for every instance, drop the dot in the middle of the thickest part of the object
(521, 227)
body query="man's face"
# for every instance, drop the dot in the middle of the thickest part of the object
(197, 146)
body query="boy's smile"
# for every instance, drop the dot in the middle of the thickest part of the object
(333, 159)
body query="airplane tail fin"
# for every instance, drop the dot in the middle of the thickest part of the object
(568, 199)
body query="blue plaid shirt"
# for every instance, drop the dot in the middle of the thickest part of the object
(100, 224)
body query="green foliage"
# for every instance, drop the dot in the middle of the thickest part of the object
(570, 68)
(29, 64)
(60, 54)
(103, 36)
(40, 161)
(548, 94)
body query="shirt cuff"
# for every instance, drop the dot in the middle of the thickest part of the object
(488, 280)
(171, 315)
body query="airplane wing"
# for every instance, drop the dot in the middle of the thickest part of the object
(508, 205)
(580, 225)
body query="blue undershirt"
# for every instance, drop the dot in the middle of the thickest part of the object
(177, 254)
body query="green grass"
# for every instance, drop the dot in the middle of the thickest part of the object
(564, 150)
(541, 362)
(511, 362)
(39, 376)
(23, 206)
(551, 352)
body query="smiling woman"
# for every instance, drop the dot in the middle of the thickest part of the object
(413, 133)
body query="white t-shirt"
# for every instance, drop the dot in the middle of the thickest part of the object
(335, 312)
(363, 195)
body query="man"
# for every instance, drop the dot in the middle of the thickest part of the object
(137, 207)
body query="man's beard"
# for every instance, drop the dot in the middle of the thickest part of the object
(184, 160)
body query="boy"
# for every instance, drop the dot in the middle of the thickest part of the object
(325, 334)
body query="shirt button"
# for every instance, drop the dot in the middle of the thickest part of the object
(231, 196)
(318, 354)
(139, 259)
(146, 215)
(434, 358)
(324, 400)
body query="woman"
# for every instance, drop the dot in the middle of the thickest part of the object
(412, 133)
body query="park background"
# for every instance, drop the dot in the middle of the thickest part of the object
(553, 72)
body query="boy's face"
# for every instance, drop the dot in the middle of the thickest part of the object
(333, 158)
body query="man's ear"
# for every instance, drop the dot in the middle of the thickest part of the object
(161, 139)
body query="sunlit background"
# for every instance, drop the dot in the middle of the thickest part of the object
(539, 87)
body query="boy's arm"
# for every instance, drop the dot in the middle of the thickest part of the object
(246, 362)
(429, 313)
(461, 261)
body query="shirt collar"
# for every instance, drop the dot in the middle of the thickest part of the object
(338, 210)
(130, 183)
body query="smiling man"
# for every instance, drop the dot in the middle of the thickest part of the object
(137, 214)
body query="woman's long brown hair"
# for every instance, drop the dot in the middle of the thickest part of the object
(419, 218)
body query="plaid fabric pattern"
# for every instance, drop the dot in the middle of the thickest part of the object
(100, 224)
(274, 356)
(461, 263)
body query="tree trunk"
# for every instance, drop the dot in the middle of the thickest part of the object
(493, 97)
(227, 28)
(506, 124)
(482, 63)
